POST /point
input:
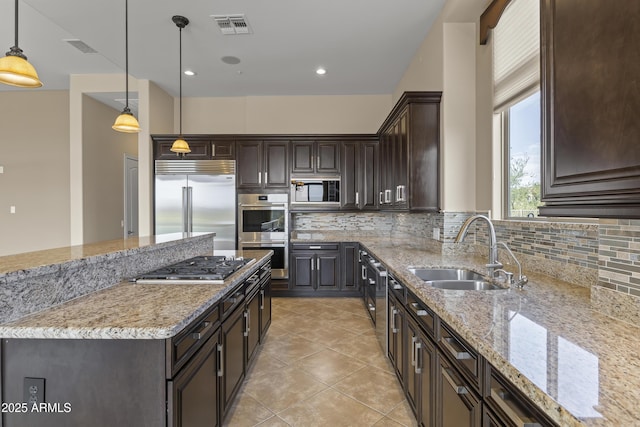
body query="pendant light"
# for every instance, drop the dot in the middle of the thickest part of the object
(15, 70)
(126, 121)
(180, 146)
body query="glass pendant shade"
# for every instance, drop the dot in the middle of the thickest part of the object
(17, 71)
(126, 122)
(180, 146)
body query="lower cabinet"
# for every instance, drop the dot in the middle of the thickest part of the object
(315, 267)
(194, 391)
(396, 335)
(457, 405)
(419, 380)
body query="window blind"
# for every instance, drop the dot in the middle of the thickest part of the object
(516, 53)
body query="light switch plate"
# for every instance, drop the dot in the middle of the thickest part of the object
(12, 209)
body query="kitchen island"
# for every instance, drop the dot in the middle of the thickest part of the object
(576, 365)
(132, 354)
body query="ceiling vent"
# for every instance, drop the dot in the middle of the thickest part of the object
(80, 45)
(232, 24)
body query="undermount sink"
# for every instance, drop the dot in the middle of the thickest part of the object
(430, 274)
(463, 285)
(453, 279)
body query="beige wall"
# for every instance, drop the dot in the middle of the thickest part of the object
(103, 171)
(284, 114)
(35, 157)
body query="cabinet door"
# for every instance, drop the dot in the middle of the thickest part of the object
(397, 331)
(223, 149)
(426, 356)
(350, 271)
(232, 341)
(194, 391)
(328, 270)
(302, 157)
(350, 177)
(458, 405)
(369, 176)
(276, 158)
(252, 326)
(265, 307)
(302, 270)
(249, 155)
(412, 379)
(327, 157)
(401, 161)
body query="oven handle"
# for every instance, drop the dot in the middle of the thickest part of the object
(274, 205)
(278, 244)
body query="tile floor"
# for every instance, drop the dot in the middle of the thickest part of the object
(320, 365)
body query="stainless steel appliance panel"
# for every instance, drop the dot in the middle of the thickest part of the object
(198, 196)
(279, 260)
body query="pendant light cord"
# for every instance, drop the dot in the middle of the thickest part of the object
(16, 26)
(126, 51)
(180, 73)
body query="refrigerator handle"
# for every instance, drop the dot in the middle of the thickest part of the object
(190, 196)
(185, 209)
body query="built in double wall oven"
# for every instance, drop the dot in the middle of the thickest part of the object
(263, 223)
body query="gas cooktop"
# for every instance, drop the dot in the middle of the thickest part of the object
(197, 270)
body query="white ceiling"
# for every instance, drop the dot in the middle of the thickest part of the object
(365, 45)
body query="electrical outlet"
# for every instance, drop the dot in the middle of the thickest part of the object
(436, 233)
(33, 391)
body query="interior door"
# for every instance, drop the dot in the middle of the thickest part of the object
(169, 203)
(130, 196)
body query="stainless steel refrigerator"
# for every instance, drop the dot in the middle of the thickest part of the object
(197, 196)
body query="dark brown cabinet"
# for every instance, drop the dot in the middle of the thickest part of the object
(194, 391)
(315, 157)
(203, 147)
(262, 164)
(410, 154)
(359, 179)
(232, 349)
(314, 267)
(396, 316)
(457, 404)
(350, 271)
(590, 160)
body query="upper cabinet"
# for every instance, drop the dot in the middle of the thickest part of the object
(315, 157)
(203, 147)
(410, 154)
(359, 178)
(263, 164)
(590, 105)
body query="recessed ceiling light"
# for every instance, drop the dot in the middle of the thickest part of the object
(321, 71)
(231, 60)
(189, 73)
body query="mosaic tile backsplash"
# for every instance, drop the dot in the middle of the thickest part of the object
(603, 256)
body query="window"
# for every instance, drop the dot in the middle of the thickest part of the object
(522, 147)
(516, 77)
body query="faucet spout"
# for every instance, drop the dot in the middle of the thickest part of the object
(493, 246)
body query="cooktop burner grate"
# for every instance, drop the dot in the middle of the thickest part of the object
(202, 268)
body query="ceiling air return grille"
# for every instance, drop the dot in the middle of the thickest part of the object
(80, 45)
(232, 24)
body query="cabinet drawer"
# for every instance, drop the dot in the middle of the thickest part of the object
(398, 290)
(252, 283)
(421, 313)
(461, 354)
(186, 343)
(315, 246)
(230, 302)
(509, 406)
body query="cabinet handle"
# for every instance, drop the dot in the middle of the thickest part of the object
(213, 150)
(364, 272)
(261, 300)
(312, 264)
(259, 177)
(220, 361)
(394, 312)
(459, 389)
(266, 177)
(497, 396)
(447, 343)
(357, 199)
(418, 367)
(318, 162)
(418, 311)
(372, 307)
(397, 193)
(413, 350)
(204, 327)
(318, 264)
(380, 201)
(372, 281)
(396, 285)
(315, 247)
(403, 193)
(387, 196)
(246, 322)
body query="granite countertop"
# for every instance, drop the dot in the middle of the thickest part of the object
(130, 311)
(577, 365)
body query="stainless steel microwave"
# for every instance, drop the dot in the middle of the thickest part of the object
(315, 191)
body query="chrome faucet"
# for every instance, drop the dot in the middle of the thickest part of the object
(522, 279)
(493, 247)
